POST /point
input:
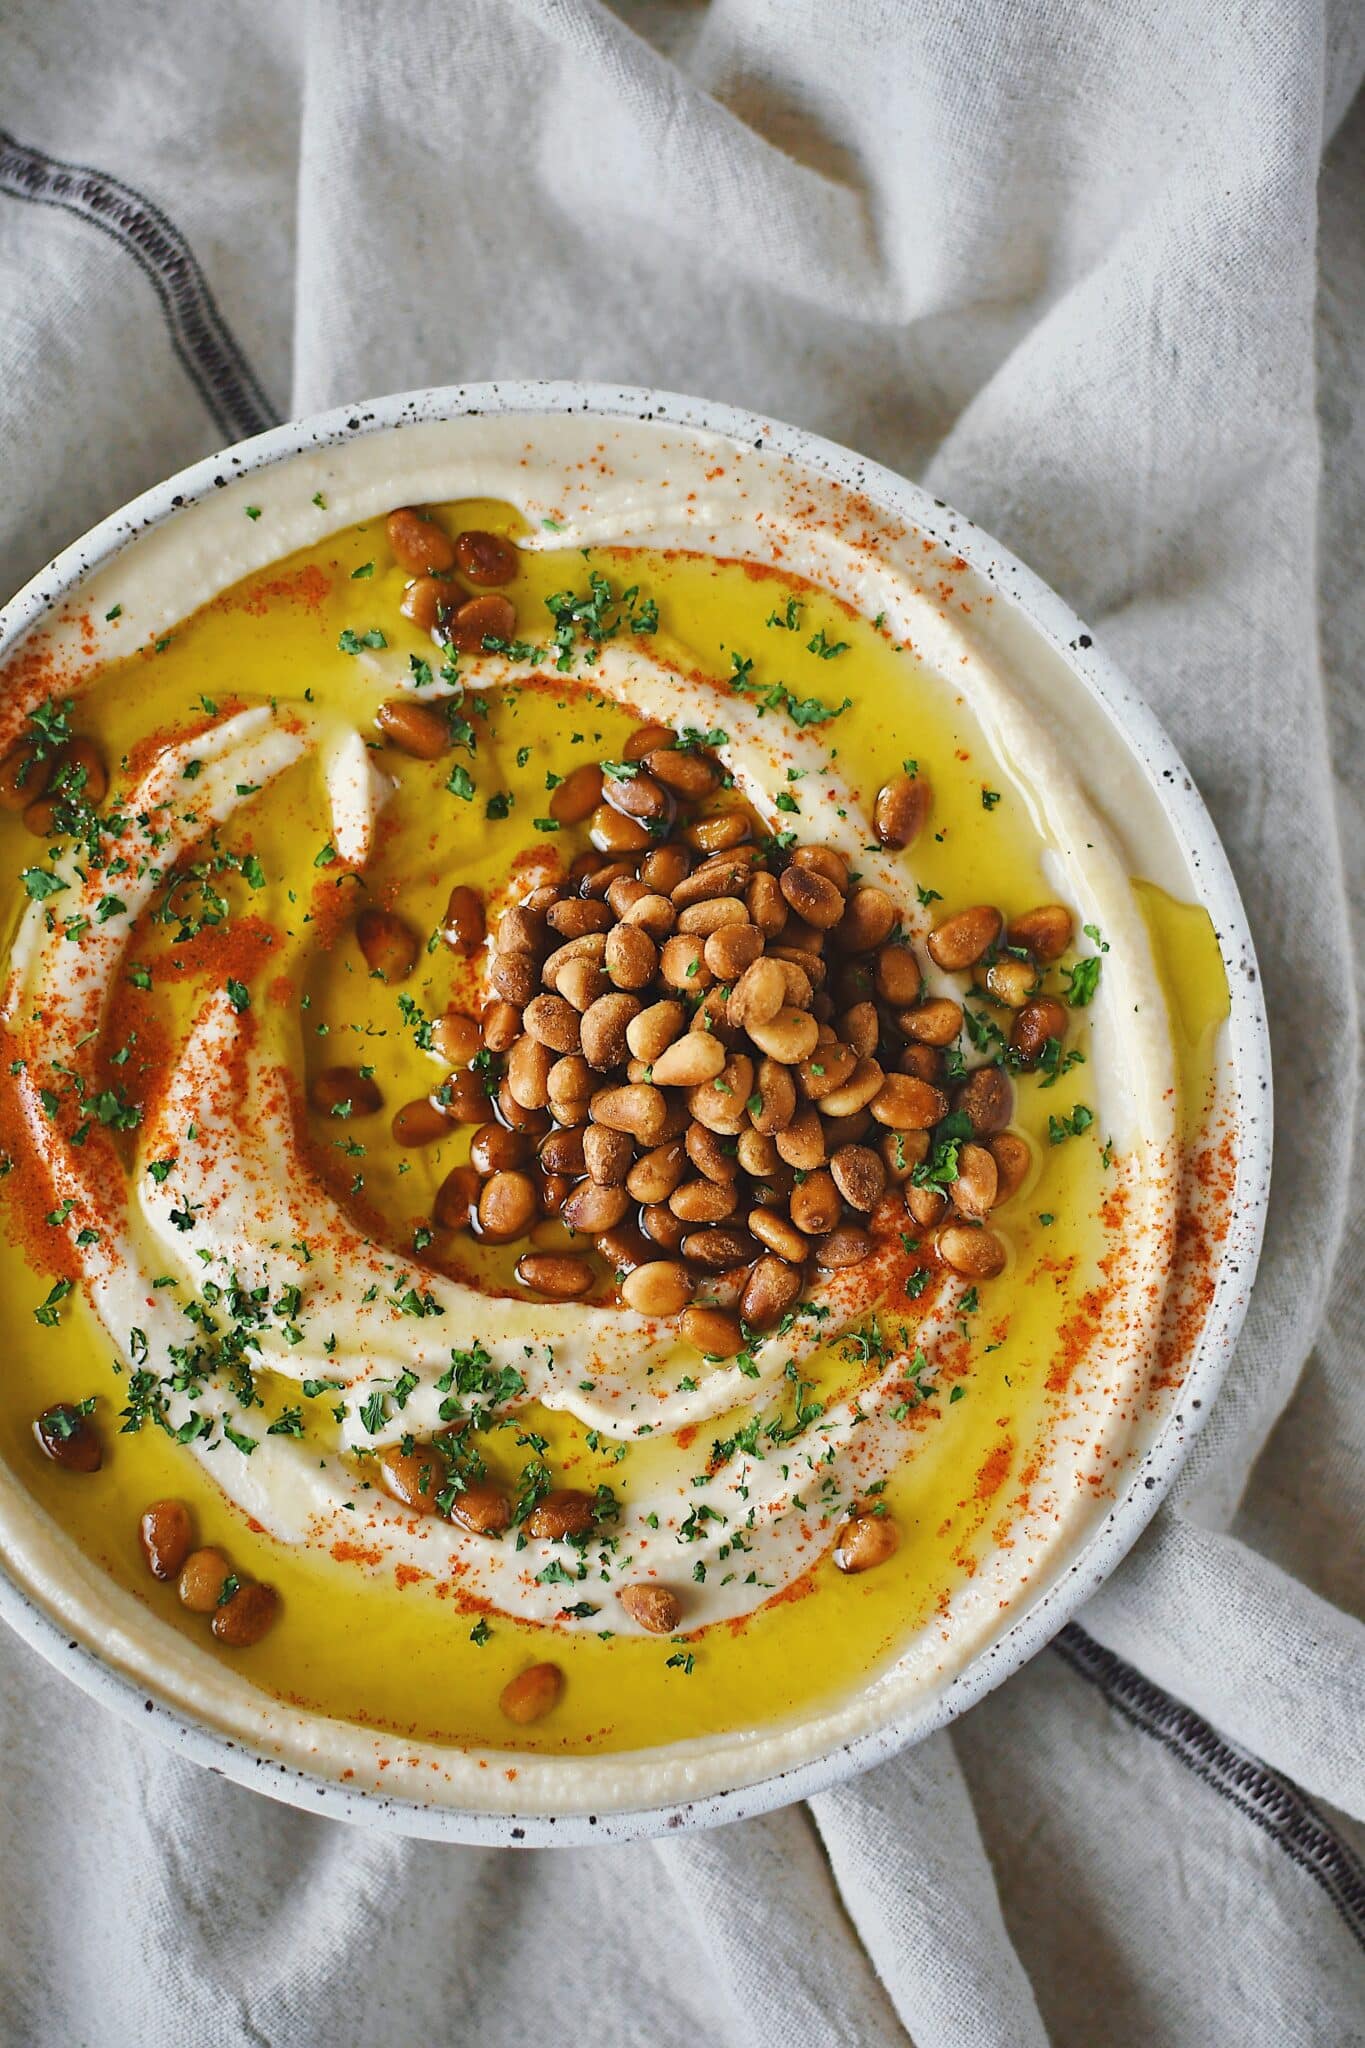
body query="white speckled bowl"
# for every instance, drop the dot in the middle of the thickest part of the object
(1136, 779)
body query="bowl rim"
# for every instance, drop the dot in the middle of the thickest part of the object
(1248, 1041)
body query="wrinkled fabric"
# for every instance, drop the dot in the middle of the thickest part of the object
(1094, 272)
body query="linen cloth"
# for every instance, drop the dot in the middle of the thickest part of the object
(1093, 271)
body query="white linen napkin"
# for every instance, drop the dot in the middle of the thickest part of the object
(1059, 260)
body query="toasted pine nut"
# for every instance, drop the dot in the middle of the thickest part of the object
(694, 776)
(683, 965)
(802, 1142)
(960, 940)
(637, 796)
(868, 920)
(637, 1108)
(485, 558)
(594, 1207)
(718, 1247)
(780, 1235)
(711, 1331)
(860, 1027)
(507, 1207)
(691, 1059)
(413, 1477)
(658, 1288)
(1045, 931)
(651, 910)
(788, 1037)
(1037, 1022)
(776, 1098)
(925, 1062)
(607, 1156)
(456, 1198)
(463, 929)
(935, 1021)
(493, 1149)
(864, 1541)
(812, 896)
(417, 729)
(663, 867)
(829, 1068)
(703, 1200)
(557, 1274)
(654, 1607)
(572, 916)
(527, 1074)
(202, 1579)
(389, 945)
(515, 976)
(603, 1029)
(733, 949)
(578, 795)
(976, 1254)
(847, 1245)
(926, 1205)
(422, 1122)
(581, 982)
(759, 993)
(766, 904)
(612, 832)
(427, 600)
(532, 1694)
(722, 1103)
(631, 957)
(859, 1176)
(521, 930)
(649, 1031)
(344, 1091)
(973, 1193)
(1012, 1162)
(500, 1025)
(721, 831)
(455, 1038)
(815, 1204)
(165, 1534)
(1009, 979)
(902, 1152)
(897, 977)
(553, 1021)
(664, 1227)
(900, 810)
(483, 1507)
(568, 1511)
(724, 874)
(987, 1098)
(244, 1619)
(712, 915)
(866, 1081)
(482, 618)
(421, 546)
(772, 1288)
(646, 739)
(756, 1153)
(563, 1152)
(711, 1154)
(907, 1104)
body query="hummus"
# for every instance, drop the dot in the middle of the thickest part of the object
(259, 1296)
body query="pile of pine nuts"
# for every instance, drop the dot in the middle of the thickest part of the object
(713, 1056)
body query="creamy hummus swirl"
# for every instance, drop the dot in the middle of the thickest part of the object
(239, 1208)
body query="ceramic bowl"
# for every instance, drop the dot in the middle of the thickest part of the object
(1139, 783)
